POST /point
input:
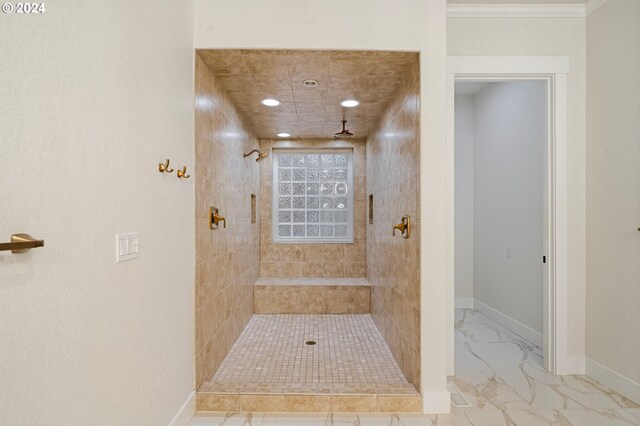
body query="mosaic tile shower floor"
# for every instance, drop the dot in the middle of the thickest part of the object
(350, 356)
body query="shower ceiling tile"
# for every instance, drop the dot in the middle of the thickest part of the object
(225, 62)
(237, 82)
(252, 75)
(309, 95)
(275, 81)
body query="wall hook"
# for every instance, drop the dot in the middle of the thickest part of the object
(183, 173)
(164, 167)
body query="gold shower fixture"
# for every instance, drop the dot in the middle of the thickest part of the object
(404, 227)
(261, 155)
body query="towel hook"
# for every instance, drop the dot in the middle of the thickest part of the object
(164, 167)
(183, 173)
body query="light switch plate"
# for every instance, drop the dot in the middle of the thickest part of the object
(127, 246)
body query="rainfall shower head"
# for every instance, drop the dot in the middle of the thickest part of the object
(261, 155)
(344, 134)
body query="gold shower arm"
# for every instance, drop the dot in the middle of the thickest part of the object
(246, 154)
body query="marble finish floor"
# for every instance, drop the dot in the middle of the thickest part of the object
(502, 376)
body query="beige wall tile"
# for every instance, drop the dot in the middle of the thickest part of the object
(353, 403)
(392, 264)
(311, 299)
(226, 259)
(262, 403)
(311, 269)
(399, 404)
(309, 403)
(217, 402)
(332, 270)
(354, 270)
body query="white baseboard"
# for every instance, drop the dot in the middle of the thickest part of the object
(186, 412)
(574, 365)
(515, 326)
(464, 303)
(619, 383)
(436, 403)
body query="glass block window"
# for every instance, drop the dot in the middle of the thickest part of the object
(313, 196)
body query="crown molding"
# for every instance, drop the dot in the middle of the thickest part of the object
(593, 5)
(476, 10)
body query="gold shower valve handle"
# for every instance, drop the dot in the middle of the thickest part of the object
(404, 227)
(215, 218)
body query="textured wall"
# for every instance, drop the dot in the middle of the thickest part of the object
(227, 259)
(284, 260)
(613, 192)
(93, 95)
(393, 262)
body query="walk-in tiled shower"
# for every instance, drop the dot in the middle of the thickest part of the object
(307, 285)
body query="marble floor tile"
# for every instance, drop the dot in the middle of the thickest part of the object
(228, 419)
(496, 369)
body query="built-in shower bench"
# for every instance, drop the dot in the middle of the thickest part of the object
(311, 296)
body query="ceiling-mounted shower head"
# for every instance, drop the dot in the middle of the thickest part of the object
(344, 134)
(261, 155)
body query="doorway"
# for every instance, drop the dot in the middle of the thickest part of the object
(556, 306)
(500, 186)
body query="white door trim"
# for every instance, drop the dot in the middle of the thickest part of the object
(553, 70)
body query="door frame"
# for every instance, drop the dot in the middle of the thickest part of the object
(553, 70)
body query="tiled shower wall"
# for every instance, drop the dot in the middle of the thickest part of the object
(287, 260)
(393, 262)
(227, 259)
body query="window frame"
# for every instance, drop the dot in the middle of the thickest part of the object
(275, 195)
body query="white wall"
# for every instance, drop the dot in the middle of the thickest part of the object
(373, 25)
(613, 196)
(93, 95)
(464, 147)
(509, 139)
(546, 37)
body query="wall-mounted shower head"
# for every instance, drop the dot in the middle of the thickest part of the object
(344, 134)
(261, 155)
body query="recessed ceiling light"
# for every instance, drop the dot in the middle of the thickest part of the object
(310, 83)
(350, 103)
(271, 102)
(283, 135)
